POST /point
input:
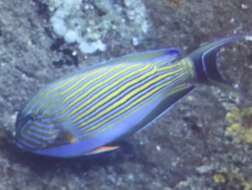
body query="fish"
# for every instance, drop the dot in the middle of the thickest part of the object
(91, 110)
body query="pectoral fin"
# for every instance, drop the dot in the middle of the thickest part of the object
(103, 149)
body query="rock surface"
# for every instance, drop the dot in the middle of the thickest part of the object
(189, 148)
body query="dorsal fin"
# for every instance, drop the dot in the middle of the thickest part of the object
(148, 56)
(161, 56)
(168, 54)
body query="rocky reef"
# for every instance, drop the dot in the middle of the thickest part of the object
(205, 142)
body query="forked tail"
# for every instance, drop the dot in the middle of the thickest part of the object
(205, 59)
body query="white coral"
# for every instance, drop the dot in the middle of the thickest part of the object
(88, 24)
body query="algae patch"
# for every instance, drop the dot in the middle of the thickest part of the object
(219, 178)
(232, 179)
(240, 125)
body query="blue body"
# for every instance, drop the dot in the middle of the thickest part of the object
(95, 107)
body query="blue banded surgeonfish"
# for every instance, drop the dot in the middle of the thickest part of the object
(85, 112)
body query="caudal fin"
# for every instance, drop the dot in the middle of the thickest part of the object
(205, 59)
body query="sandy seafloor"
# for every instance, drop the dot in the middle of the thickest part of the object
(194, 146)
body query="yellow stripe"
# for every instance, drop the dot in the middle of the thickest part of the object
(169, 67)
(127, 97)
(42, 140)
(29, 141)
(84, 76)
(79, 78)
(108, 98)
(44, 94)
(96, 87)
(87, 84)
(105, 90)
(60, 85)
(189, 66)
(41, 133)
(76, 80)
(135, 103)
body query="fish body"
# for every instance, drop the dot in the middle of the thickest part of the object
(84, 112)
